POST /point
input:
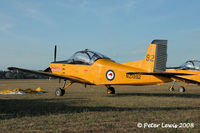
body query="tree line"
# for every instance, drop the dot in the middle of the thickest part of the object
(19, 75)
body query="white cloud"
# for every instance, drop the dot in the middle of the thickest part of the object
(33, 11)
(6, 25)
(130, 4)
(84, 4)
(102, 8)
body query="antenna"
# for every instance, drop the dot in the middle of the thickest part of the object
(55, 52)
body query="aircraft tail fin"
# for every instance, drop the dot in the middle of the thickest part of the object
(156, 56)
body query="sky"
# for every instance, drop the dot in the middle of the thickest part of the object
(120, 29)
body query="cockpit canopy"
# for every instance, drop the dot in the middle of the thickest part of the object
(85, 57)
(191, 65)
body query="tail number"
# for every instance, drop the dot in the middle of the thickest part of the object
(150, 57)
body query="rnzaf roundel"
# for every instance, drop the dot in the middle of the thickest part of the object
(110, 75)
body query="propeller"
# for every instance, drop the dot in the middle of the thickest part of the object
(55, 53)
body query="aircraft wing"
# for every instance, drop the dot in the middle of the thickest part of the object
(71, 78)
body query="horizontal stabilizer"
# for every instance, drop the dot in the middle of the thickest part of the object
(186, 80)
(158, 73)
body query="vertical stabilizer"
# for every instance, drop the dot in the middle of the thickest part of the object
(156, 56)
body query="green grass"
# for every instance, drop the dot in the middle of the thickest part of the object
(92, 110)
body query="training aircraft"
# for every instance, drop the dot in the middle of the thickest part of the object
(191, 67)
(92, 68)
(188, 65)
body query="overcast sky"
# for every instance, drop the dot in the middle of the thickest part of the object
(120, 29)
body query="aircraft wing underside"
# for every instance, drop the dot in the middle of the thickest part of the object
(71, 78)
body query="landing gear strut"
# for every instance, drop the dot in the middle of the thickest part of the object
(61, 91)
(110, 90)
(172, 86)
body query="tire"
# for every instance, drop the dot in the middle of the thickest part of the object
(181, 89)
(59, 92)
(111, 90)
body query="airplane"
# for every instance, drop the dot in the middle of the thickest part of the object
(92, 68)
(188, 65)
(192, 67)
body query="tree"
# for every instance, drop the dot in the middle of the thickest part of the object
(8, 75)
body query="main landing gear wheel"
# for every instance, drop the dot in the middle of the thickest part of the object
(59, 92)
(111, 90)
(181, 89)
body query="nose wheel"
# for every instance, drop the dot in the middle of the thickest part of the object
(61, 91)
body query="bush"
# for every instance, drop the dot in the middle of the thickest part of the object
(19, 75)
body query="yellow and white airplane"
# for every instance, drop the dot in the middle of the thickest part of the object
(92, 68)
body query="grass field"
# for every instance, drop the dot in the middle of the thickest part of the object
(92, 110)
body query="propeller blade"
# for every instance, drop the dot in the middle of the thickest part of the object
(55, 52)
